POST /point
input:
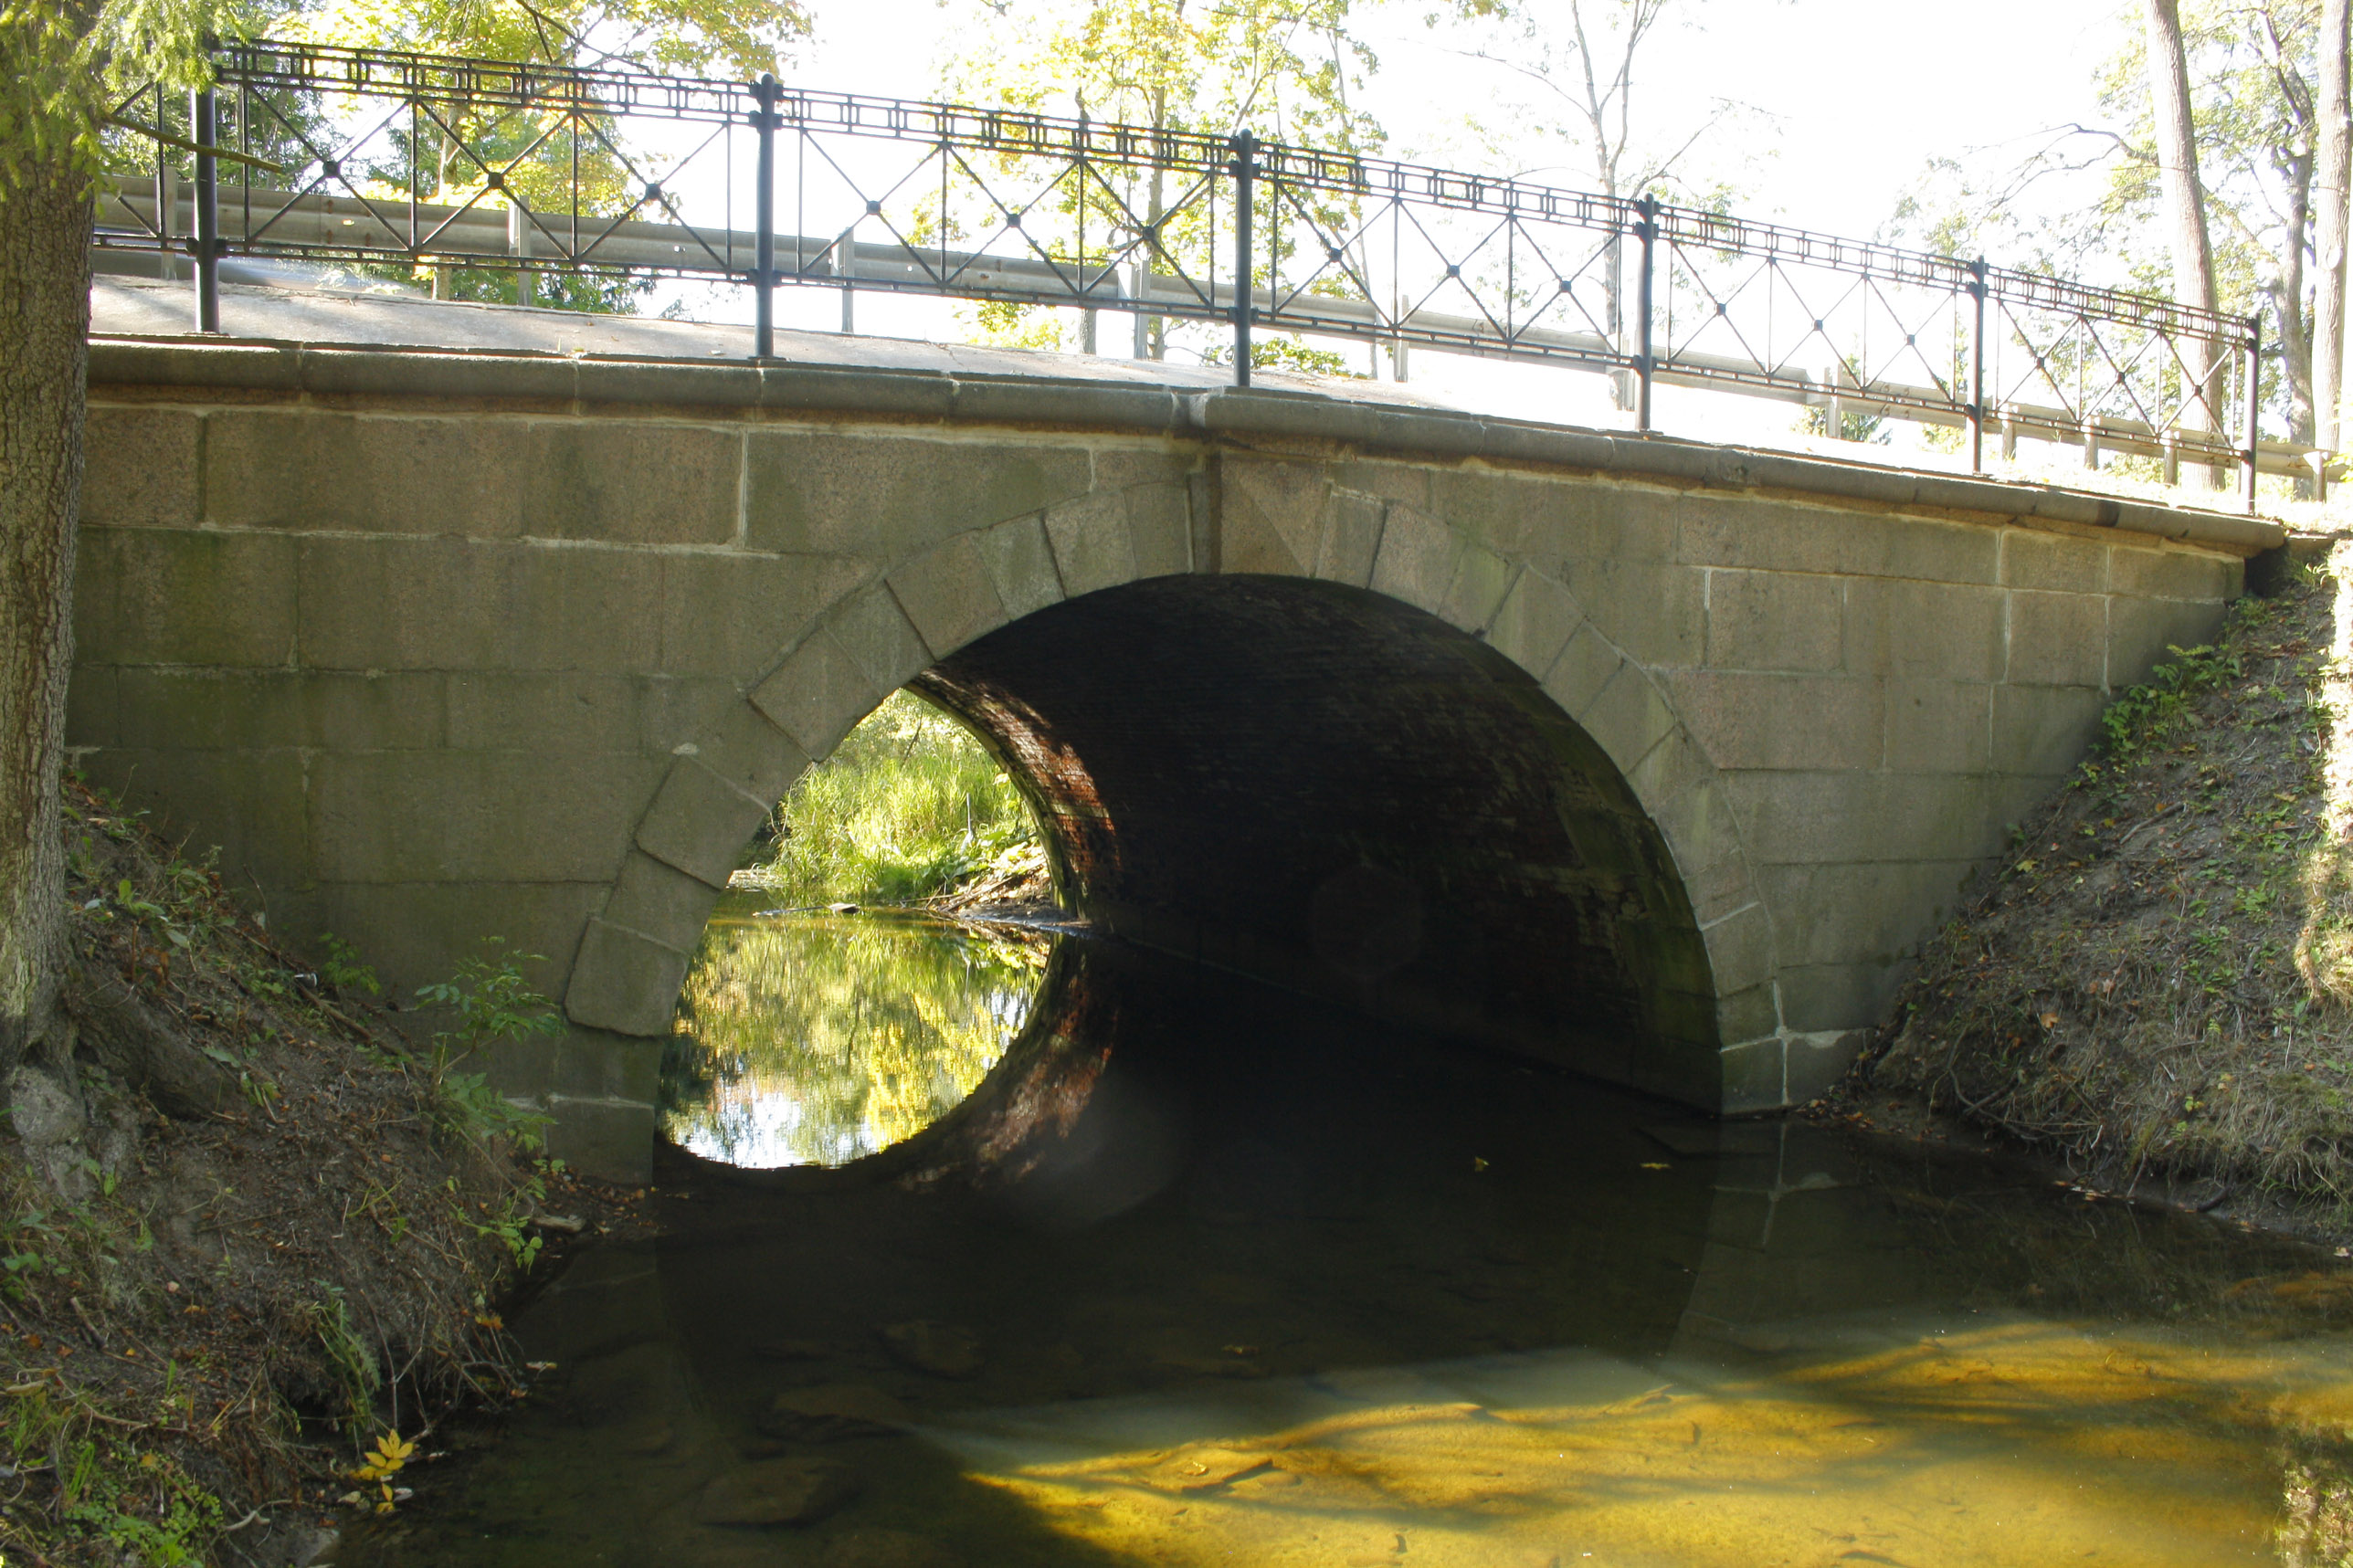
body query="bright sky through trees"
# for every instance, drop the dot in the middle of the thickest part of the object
(1849, 101)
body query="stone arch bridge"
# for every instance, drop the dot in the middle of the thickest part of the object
(1648, 758)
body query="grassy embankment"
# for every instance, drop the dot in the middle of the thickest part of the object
(909, 808)
(2158, 978)
(247, 1235)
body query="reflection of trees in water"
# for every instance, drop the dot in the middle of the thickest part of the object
(816, 1040)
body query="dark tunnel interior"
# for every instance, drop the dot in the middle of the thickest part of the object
(1333, 791)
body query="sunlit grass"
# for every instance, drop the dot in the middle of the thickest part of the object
(909, 806)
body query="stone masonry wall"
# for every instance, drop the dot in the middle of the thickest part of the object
(440, 648)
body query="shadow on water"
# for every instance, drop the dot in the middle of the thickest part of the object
(1200, 1274)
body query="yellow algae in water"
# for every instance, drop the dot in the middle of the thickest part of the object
(817, 1040)
(2023, 1444)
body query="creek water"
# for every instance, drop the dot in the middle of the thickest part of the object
(1140, 1266)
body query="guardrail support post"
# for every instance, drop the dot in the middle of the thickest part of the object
(763, 243)
(519, 244)
(2254, 404)
(167, 194)
(1245, 168)
(206, 131)
(1977, 365)
(1648, 232)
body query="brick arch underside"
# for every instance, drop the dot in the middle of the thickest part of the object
(1327, 789)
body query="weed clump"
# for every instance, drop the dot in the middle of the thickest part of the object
(2157, 977)
(244, 1230)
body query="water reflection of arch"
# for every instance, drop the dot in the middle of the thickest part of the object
(1172, 1164)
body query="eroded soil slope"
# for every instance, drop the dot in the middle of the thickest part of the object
(247, 1231)
(2156, 979)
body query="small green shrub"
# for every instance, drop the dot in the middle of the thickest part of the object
(490, 1001)
(343, 970)
(2147, 715)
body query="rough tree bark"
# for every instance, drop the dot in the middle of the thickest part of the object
(2334, 112)
(45, 226)
(2185, 196)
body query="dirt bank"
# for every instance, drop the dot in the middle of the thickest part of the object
(248, 1230)
(2155, 981)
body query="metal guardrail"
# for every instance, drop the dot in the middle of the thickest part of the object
(371, 157)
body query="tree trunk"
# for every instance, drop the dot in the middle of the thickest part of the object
(2287, 294)
(2185, 201)
(2330, 182)
(45, 225)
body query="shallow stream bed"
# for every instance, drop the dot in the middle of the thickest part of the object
(1186, 1272)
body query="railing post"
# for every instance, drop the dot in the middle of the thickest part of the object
(1977, 365)
(167, 194)
(1647, 231)
(2254, 403)
(764, 249)
(1245, 168)
(206, 130)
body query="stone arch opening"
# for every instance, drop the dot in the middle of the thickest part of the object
(1326, 789)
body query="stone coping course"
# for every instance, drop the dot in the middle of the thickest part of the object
(270, 366)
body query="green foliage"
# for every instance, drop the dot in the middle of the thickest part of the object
(1871, 428)
(355, 1365)
(61, 65)
(142, 1503)
(342, 967)
(489, 1001)
(1286, 351)
(1287, 69)
(31, 1247)
(2253, 70)
(2149, 713)
(739, 38)
(908, 806)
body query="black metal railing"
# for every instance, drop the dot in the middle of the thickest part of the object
(377, 158)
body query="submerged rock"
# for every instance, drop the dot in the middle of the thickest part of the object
(1200, 1468)
(791, 1350)
(832, 1411)
(778, 1492)
(940, 1349)
(888, 1549)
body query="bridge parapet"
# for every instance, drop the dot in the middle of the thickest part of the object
(442, 646)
